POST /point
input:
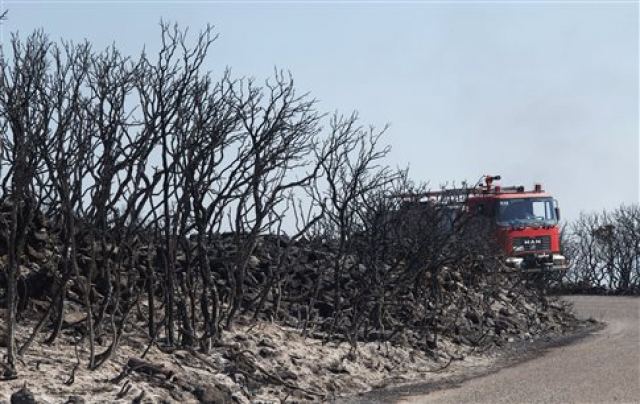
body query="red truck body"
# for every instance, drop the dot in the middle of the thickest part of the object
(523, 222)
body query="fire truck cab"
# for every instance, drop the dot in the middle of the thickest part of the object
(525, 224)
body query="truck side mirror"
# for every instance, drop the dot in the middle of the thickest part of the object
(557, 209)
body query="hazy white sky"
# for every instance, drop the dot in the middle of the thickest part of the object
(534, 91)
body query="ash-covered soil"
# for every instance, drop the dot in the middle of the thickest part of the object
(263, 362)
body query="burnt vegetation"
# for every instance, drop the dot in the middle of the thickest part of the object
(604, 248)
(145, 193)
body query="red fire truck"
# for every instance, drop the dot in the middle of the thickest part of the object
(523, 222)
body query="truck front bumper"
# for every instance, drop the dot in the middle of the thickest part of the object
(538, 263)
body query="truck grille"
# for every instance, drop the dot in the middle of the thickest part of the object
(542, 243)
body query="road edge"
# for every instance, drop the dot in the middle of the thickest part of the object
(511, 355)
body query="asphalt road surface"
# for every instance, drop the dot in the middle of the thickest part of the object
(601, 368)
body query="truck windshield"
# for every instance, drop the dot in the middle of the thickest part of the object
(524, 211)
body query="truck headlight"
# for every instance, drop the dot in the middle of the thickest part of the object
(514, 262)
(559, 259)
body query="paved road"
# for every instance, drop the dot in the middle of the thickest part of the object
(601, 368)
